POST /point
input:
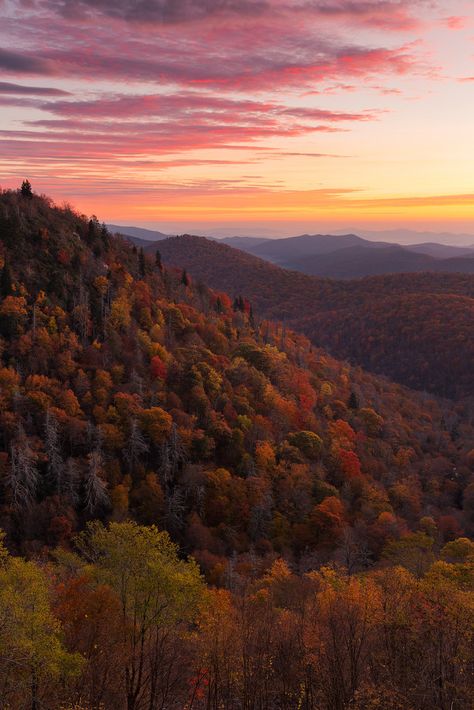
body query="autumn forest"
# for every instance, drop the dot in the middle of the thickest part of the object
(201, 508)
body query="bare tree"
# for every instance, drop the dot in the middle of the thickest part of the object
(136, 445)
(95, 489)
(176, 510)
(53, 451)
(172, 457)
(23, 476)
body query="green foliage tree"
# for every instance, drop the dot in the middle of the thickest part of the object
(414, 552)
(157, 591)
(309, 443)
(33, 659)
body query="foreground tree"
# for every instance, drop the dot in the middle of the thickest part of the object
(33, 661)
(158, 595)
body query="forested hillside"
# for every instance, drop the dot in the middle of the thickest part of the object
(127, 389)
(414, 328)
(122, 623)
(327, 510)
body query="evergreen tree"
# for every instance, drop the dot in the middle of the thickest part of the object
(353, 401)
(251, 318)
(158, 262)
(92, 228)
(70, 481)
(104, 235)
(53, 451)
(184, 278)
(239, 304)
(6, 280)
(26, 190)
(141, 262)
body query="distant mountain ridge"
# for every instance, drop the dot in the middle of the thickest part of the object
(350, 256)
(414, 328)
(341, 256)
(138, 234)
(360, 261)
(409, 237)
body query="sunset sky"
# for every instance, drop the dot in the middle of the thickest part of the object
(250, 116)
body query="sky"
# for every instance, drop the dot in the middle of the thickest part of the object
(265, 117)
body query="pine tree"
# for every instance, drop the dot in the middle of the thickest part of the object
(92, 229)
(53, 451)
(104, 235)
(158, 262)
(26, 190)
(6, 280)
(172, 457)
(251, 318)
(184, 278)
(141, 262)
(70, 481)
(239, 304)
(353, 401)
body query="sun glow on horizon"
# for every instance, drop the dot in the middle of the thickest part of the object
(315, 114)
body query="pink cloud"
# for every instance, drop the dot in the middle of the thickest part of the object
(456, 22)
(209, 75)
(211, 109)
(22, 90)
(266, 45)
(387, 14)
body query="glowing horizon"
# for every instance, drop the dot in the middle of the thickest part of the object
(243, 115)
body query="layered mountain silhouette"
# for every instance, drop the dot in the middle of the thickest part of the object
(351, 256)
(414, 328)
(345, 256)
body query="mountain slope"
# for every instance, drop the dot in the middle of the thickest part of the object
(350, 256)
(127, 391)
(441, 251)
(360, 261)
(244, 243)
(281, 250)
(432, 358)
(408, 237)
(144, 235)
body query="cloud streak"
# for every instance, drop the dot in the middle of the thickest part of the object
(19, 63)
(21, 89)
(99, 93)
(390, 14)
